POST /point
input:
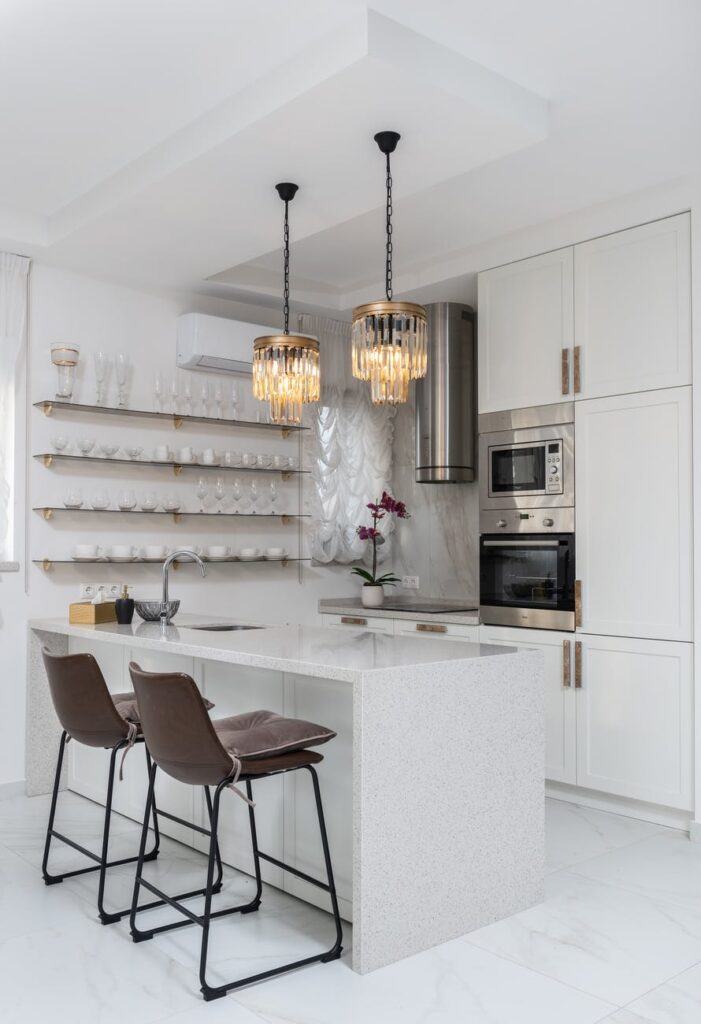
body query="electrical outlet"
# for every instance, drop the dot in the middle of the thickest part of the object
(110, 590)
(410, 582)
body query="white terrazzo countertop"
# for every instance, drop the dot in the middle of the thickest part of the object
(320, 651)
(354, 606)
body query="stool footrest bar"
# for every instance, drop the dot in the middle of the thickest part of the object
(294, 871)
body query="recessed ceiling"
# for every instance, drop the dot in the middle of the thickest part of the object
(143, 139)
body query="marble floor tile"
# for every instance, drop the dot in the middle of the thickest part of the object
(624, 1017)
(89, 974)
(666, 867)
(575, 834)
(599, 938)
(678, 1001)
(450, 984)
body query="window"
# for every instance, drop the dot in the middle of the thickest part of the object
(14, 272)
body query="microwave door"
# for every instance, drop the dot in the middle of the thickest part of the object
(517, 470)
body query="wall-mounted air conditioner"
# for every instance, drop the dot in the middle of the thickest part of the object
(216, 344)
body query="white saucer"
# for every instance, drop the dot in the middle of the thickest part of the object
(250, 558)
(276, 558)
(123, 558)
(219, 558)
(88, 558)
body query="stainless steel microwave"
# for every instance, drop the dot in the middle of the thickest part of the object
(527, 466)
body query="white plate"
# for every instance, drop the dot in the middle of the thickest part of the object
(88, 558)
(171, 511)
(276, 558)
(152, 558)
(123, 558)
(219, 558)
(74, 507)
(142, 509)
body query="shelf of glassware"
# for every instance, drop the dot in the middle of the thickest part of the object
(49, 511)
(48, 459)
(50, 406)
(47, 563)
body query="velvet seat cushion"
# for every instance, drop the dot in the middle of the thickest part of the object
(263, 734)
(127, 707)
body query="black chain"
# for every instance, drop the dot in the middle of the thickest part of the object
(388, 259)
(286, 286)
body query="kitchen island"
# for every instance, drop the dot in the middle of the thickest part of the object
(433, 787)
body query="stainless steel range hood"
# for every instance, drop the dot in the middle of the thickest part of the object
(445, 398)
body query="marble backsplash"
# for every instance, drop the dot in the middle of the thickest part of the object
(440, 543)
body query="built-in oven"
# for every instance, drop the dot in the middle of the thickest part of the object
(527, 569)
(527, 458)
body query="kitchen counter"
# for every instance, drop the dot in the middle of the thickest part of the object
(433, 785)
(450, 612)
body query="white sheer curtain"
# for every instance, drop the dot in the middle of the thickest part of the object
(14, 271)
(349, 450)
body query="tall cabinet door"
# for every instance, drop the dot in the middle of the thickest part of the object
(633, 309)
(634, 514)
(634, 718)
(560, 723)
(526, 320)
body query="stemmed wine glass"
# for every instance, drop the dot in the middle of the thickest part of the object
(121, 366)
(236, 494)
(219, 398)
(274, 495)
(202, 492)
(187, 397)
(158, 392)
(204, 398)
(254, 496)
(101, 370)
(219, 492)
(234, 401)
(174, 395)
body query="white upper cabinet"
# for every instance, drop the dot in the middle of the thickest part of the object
(632, 310)
(634, 514)
(526, 320)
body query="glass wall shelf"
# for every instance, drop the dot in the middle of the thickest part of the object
(47, 563)
(50, 406)
(48, 459)
(49, 511)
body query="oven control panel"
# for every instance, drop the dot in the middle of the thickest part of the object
(553, 467)
(527, 520)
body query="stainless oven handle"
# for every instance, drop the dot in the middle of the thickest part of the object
(521, 543)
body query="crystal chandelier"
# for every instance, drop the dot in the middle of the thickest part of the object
(286, 366)
(389, 337)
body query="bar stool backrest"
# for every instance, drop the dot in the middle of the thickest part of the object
(82, 701)
(177, 728)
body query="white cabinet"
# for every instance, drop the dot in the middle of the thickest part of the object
(634, 719)
(526, 321)
(634, 514)
(560, 717)
(358, 620)
(632, 309)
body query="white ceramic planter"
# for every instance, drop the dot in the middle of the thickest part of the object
(372, 595)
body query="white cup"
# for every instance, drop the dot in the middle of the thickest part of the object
(121, 551)
(249, 552)
(155, 551)
(161, 452)
(249, 459)
(189, 547)
(186, 454)
(275, 552)
(280, 461)
(217, 551)
(86, 550)
(208, 457)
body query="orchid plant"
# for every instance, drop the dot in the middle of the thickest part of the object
(387, 505)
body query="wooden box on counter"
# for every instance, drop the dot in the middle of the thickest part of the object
(83, 613)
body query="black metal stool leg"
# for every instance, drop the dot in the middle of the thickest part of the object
(53, 879)
(256, 859)
(136, 934)
(335, 952)
(106, 918)
(207, 991)
(220, 868)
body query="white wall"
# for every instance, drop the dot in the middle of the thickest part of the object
(95, 314)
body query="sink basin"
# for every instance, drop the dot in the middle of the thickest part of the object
(222, 627)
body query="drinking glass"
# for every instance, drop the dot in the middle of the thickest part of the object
(187, 397)
(149, 502)
(121, 366)
(237, 494)
(101, 367)
(219, 492)
(204, 398)
(219, 398)
(126, 500)
(234, 401)
(175, 395)
(100, 499)
(158, 392)
(202, 492)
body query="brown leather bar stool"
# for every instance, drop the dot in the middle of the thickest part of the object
(192, 748)
(89, 714)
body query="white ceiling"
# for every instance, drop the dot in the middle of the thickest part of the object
(141, 140)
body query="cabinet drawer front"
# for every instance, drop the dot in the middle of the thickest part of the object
(634, 719)
(359, 621)
(436, 630)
